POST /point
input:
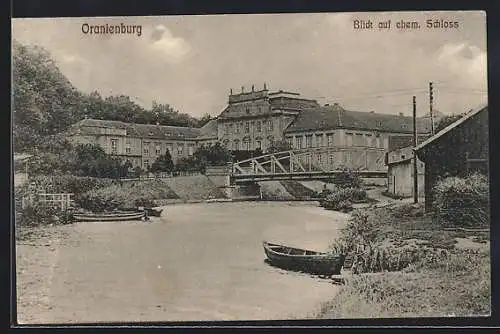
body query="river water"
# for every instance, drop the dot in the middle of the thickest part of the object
(197, 262)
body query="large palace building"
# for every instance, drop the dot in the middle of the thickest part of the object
(251, 120)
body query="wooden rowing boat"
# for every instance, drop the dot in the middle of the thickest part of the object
(303, 260)
(119, 216)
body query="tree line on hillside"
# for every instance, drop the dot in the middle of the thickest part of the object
(45, 103)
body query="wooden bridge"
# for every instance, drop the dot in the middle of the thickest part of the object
(311, 164)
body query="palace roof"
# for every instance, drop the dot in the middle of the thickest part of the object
(336, 117)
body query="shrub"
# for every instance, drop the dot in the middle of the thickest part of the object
(125, 196)
(343, 198)
(67, 183)
(347, 178)
(361, 230)
(36, 213)
(463, 201)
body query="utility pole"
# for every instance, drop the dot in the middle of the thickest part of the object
(431, 98)
(415, 174)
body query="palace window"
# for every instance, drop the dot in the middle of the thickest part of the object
(237, 128)
(127, 146)
(348, 138)
(236, 145)
(289, 140)
(309, 141)
(330, 139)
(180, 149)
(170, 148)
(246, 142)
(270, 125)
(146, 164)
(359, 140)
(259, 126)
(319, 140)
(114, 146)
(298, 142)
(258, 144)
(190, 150)
(146, 148)
(158, 149)
(247, 127)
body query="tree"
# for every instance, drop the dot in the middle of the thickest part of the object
(163, 163)
(212, 154)
(279, 146)
(204, 119)
(91, 160)
(44, 101)
(447, 120)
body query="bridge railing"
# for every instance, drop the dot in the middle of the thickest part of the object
(313, 160)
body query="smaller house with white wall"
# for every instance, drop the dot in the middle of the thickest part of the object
(399, 161)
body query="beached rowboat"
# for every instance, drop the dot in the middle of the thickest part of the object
(121, 216)
(304, 260)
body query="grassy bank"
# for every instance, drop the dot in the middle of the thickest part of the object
(440, 277)
(458, 287)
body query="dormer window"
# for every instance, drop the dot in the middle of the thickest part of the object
(150, 133)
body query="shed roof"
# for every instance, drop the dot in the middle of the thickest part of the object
(452, 126)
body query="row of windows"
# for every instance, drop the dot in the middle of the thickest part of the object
(309, 141)
(236, 127)
(351, 140)
(246, 144)
(146, 146)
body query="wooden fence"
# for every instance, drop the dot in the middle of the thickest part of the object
(62, 201)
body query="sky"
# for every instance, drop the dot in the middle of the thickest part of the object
(191, 62)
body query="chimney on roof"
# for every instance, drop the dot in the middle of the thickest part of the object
(372, 111)
(242, 89)
(230, 91)
(252, 88)
(265, 87)
(401, 114)
(326, 104)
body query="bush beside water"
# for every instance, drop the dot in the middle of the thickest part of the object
(126, 196)
(347, 191)
(463, 202)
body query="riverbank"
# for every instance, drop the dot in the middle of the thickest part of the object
(458, 284)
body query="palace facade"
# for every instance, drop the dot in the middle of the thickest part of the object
(251, 120)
